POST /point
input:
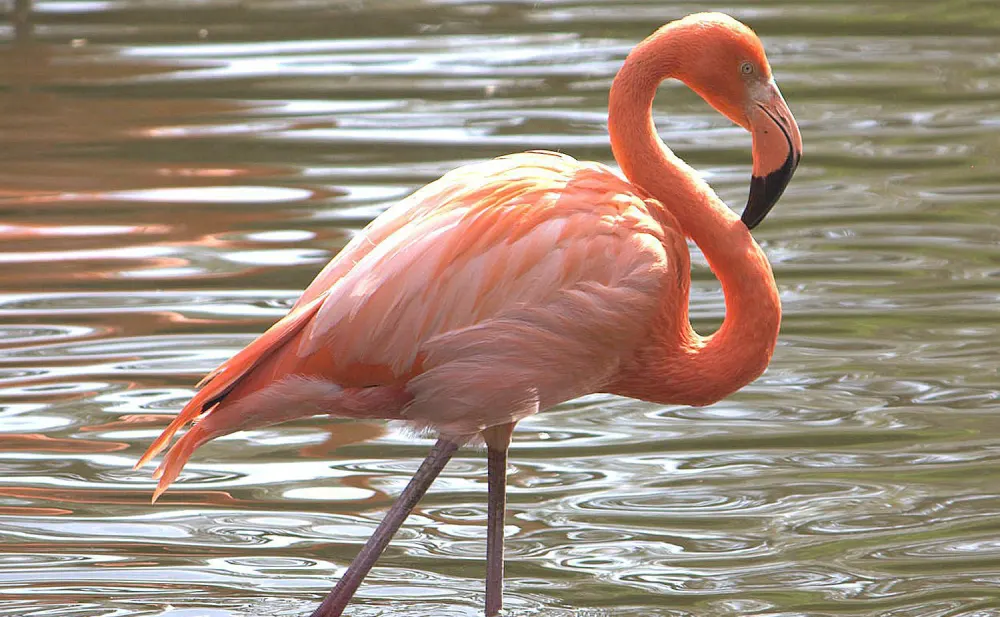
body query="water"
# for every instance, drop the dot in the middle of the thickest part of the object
(172, 174)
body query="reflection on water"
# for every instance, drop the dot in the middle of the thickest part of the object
(172, 175)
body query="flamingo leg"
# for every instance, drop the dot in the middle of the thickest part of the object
(497, 445)
(334, 603)
(494, 530)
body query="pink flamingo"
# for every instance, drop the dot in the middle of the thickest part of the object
(509, 286)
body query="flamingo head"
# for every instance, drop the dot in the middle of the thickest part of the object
(726, 65)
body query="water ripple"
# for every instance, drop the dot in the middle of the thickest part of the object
(173, 175)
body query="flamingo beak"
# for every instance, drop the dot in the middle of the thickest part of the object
(777, 148)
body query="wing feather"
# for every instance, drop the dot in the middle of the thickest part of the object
(570, 241)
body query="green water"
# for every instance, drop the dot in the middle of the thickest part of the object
(172, 174)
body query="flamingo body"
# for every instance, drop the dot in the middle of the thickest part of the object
(453, 308)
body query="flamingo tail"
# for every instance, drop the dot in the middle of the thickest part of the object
(220, 382)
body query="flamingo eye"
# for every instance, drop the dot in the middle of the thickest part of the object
(746, 68)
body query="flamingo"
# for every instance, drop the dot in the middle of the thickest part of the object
(509, 286)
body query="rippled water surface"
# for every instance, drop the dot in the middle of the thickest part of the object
(173, 173)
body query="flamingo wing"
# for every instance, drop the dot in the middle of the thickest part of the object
(512, 286)
(503, 288)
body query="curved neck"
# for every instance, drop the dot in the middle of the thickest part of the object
(678, 365)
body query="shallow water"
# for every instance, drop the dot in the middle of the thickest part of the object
(173, 174)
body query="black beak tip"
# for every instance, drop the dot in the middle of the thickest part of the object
(765, 192)
(758, 205)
